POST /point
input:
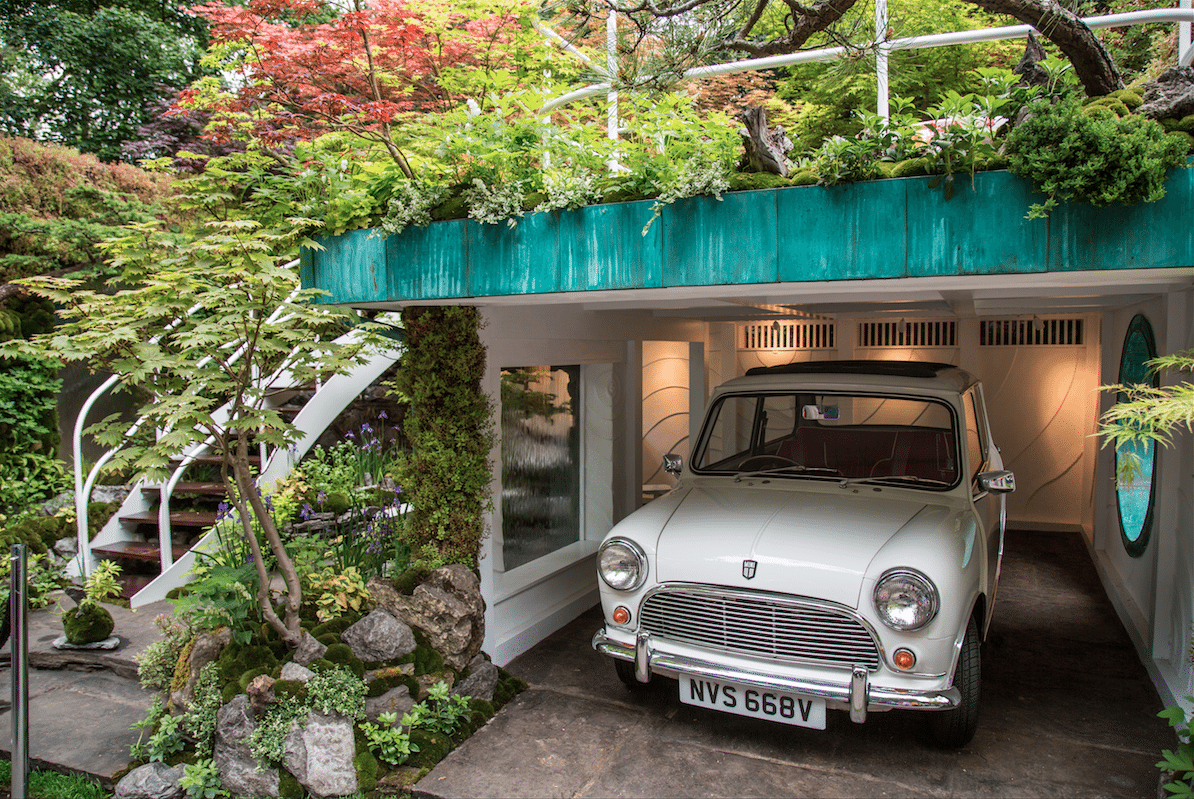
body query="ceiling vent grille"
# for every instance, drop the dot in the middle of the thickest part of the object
(917, 333)
(789, 336)
(1031, 332)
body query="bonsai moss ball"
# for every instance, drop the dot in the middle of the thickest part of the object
(87, 624)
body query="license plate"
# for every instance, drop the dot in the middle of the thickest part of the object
(758, 703)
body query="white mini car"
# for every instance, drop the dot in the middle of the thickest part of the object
(834, 544)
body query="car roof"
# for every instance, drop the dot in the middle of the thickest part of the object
(925, 375)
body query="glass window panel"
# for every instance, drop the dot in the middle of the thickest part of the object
(540, 461)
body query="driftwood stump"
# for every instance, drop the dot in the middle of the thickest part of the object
(766, 150)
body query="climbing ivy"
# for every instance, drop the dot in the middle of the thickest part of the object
(446, 475)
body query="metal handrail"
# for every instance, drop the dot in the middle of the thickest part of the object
(1183, 15)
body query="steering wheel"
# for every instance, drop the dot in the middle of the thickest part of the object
(757, 463)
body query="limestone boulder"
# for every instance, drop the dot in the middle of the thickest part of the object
(151, 781)
(320, 755)
(396, 700)
(379, 636)
(1170, 95)
(240, 772)
(308, 650)
(206, 649)
(295, 673)
(481, 682)
(261, 694)
(447, 608)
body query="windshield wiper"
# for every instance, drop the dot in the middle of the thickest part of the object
(895, 478)
(813, 471)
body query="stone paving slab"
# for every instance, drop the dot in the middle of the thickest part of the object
(79, 720)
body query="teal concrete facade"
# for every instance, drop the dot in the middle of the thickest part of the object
(886, 229)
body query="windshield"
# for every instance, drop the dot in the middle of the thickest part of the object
(832, 436)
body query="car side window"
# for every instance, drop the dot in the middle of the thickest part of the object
(976, 441)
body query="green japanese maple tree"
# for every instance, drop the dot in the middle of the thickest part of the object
(205, 325)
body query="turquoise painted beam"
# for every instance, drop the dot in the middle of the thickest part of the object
(879, 229)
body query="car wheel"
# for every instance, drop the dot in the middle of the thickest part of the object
(954, 728)
(625, 670)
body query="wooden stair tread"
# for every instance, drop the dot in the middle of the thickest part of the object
(216, 460)
(137, 550)
(215, 489)
(178, 518)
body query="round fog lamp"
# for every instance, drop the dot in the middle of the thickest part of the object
(905, 600)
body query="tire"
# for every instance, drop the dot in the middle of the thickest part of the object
(625, 672)
(953, 729)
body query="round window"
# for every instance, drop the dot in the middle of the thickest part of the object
(1136, 485)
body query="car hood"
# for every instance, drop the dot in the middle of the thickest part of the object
(814, 543)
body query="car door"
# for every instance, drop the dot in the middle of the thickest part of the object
(983, 456)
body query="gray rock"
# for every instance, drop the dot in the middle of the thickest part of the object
(109, 493)
(320, 755)
(1170, 95)
(295, 673)
(66, 547)
(396, 700)
(481, 681)
(207, 648)
(379, 636)
(151, 781)
(447, 608)
(238, 769)
(308, 650)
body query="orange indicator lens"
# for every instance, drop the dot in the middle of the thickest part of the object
(621, 615)
(903, 659)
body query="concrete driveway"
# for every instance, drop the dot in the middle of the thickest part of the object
(1067, 711)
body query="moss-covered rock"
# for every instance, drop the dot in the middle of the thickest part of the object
(803, 177)
(366, 767)
(288, 786)
(1129, 97)
(433, 747)
(451, 208)
(747, 181)
(88, 623)
(341, 655)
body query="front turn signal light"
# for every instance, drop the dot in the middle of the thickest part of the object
(903, 659)
(620, 615)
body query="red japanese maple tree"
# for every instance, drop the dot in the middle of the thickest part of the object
(306, 68)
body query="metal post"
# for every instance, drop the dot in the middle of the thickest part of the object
(611, 63)
(18, 643)
(881, 56)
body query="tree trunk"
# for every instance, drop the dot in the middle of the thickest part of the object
(1092, 64)
(805, 21)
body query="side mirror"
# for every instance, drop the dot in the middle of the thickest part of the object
(672, 464)
(1000, 482)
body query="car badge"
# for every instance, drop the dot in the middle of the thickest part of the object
(748, 568)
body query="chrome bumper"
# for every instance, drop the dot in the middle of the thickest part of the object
(857, 695)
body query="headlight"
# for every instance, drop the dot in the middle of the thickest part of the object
(621, 564)
(905, 600)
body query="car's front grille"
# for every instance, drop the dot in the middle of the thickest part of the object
(759, 624)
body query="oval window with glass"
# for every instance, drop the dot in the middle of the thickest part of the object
(1135, 463)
